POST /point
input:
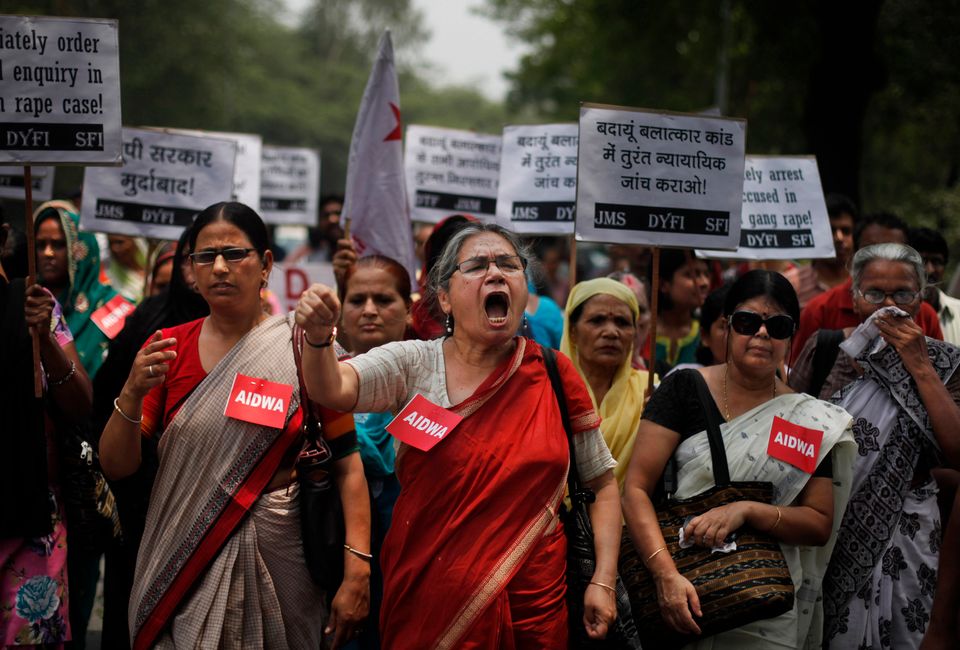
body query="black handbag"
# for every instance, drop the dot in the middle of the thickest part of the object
(745, 585)
(581, 557)
(93, 523)
(321, 511)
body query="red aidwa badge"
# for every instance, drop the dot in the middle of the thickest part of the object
(258, 401)
(422, 424)
(111, 316)
(795, 444)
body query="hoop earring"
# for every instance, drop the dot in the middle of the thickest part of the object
(448, 324)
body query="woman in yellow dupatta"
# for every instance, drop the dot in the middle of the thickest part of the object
(598, 333)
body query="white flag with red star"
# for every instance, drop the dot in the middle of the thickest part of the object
(376, 200)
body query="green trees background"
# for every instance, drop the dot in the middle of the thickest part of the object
(871, 87)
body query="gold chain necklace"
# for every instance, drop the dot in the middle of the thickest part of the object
(726, 405)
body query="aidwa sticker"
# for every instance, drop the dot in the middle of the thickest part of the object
(795, 444)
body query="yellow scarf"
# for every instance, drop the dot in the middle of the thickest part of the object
(623, 403)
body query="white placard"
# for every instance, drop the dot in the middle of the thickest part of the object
(450, 171)
(246, 172)
(538, 186)
(59, 91)
(289, 185)
(784, 213)
(287, 282)
(659, 179)
(12, 183)
(166, 179)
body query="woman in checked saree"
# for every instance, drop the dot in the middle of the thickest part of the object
(221, 561)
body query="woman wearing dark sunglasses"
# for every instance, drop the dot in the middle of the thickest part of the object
(902, 390)
(751, 402)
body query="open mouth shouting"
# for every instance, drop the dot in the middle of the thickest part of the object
(496, 306)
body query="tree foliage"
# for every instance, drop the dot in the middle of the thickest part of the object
(872, 88)
(234, 65)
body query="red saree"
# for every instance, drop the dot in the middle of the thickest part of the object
(475, 556)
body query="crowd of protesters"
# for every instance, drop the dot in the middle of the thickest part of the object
(133, 454)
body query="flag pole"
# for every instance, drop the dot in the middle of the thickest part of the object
(32, 273)
(654, 307)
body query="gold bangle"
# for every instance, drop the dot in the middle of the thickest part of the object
(360, 554)
(600, 584)
(777, 523)
(654, 554)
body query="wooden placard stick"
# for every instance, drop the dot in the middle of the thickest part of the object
(32, 273)
(654, 306)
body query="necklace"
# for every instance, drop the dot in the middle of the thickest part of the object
(726, 405)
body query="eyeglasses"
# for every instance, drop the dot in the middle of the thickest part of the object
(230, 255)
(902, 297)
(748, 323)
(477, 266)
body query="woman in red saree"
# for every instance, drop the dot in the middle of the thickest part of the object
(475, 556)
(221, 560)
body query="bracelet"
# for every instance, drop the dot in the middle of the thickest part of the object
(654, 554)
(360, 554)
(325, 344)
(779, 517)
(53, 383)
(600, 584)
(116, 407)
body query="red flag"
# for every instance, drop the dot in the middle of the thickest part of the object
(376, 197)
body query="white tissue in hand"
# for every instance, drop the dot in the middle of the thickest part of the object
(725, 548)
(867, 332)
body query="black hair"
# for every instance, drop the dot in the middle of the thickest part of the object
(238, 214)
(671, 261)
(883, 219)
(840, 204)
(760, 283)
(712, 308)
(331, 198)
(928, 240)
(45, 215)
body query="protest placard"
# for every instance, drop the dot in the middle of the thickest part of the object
(538, 185)
(11, 183)
(784, 214)
(288, 281)
(289, 185)
(660, 179)
(59, 91)
(166, 179)
(450, 171)
(246, 171)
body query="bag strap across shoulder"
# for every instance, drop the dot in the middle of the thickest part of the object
(577, 491)
(718, 453)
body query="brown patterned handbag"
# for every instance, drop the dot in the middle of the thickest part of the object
(748, 584)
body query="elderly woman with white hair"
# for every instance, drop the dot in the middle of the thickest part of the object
(903, 391)
(475, 555)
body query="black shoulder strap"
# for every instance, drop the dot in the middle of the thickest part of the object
(311, 421)
(577, 491)
(718, 453)
(824, 356)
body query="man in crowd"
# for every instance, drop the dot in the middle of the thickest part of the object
(933, 249)
(824, 274)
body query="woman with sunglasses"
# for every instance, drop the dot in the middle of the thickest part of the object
(221, 559)
(902, 390)
(475, 555)
(747, 397)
